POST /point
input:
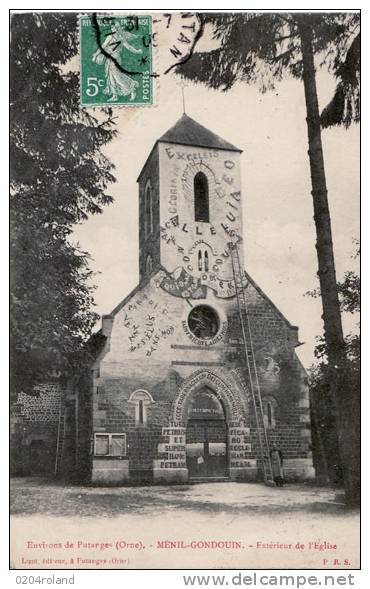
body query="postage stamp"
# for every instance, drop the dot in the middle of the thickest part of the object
(116, 60)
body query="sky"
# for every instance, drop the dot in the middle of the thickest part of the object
(279, 232)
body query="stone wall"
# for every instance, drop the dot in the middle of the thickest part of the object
(150, 349)
(34, 429)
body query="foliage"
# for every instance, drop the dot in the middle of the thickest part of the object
(350, 376)
(59, 176)
(344, 107)
(323, 405)
(349, 289)
(262, 48)
(350, 293)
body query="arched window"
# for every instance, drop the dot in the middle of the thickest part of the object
(201, 198)
(141, 399)
(148, 210)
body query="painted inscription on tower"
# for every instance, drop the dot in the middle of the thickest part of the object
(200, 215)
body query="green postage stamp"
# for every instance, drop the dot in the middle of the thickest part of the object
(116, 60)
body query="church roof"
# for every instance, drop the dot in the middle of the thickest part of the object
(188, 132)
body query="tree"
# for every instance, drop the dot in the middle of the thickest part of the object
(59, 176)
(344, 107)
(325, 440)
(263, 48)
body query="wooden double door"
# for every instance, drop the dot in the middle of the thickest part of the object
(206, 448)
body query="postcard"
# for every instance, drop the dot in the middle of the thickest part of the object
(185, 290)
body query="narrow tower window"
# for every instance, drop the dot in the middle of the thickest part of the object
(206, 265)
(200, 264)
(201, 198)
(148, 210)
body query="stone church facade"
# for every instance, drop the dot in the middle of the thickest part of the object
(170, 397)
(167, 398)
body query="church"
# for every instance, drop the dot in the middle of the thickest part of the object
(171, 401)
(169, 398)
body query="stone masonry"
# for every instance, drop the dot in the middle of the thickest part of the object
(156, 376)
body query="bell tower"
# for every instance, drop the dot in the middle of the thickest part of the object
(190, 205)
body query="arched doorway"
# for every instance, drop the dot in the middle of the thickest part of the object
(206, 436)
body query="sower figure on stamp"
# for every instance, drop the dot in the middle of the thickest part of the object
(276, 456)
(117, 82)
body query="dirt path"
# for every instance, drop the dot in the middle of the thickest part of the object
(219, 525)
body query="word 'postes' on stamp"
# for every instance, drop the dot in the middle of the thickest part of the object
(116, 60)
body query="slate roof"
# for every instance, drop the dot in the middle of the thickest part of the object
(188, 132)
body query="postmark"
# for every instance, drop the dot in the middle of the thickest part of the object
(116, 62)
(176, 36)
